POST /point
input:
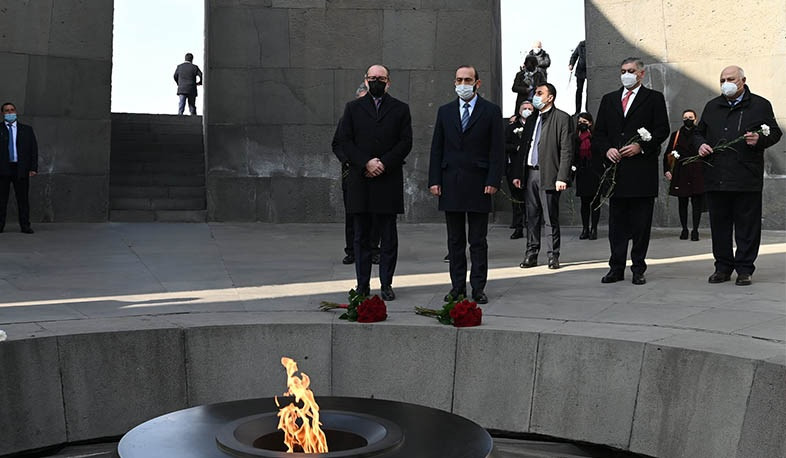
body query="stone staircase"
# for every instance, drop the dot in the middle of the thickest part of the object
(157, 168)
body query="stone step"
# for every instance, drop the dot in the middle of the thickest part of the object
(120, 167)
(167, 216)
(156, 179)
(152, 151)
(157, 203)
(156, 191)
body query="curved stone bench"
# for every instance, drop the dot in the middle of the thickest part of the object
(658, 391)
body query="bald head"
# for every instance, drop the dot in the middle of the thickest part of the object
(735, 75)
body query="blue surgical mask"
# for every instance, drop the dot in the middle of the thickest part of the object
(538, 102)
(10, 117)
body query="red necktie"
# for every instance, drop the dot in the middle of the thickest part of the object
(625, 101)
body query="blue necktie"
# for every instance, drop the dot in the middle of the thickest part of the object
(465, 117)
(11, 144)
(535, 143)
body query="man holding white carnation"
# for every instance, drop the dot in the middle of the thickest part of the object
(631, 125)
(741, 125)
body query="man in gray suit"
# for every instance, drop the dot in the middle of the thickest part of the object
(546, 175)
(186, 76)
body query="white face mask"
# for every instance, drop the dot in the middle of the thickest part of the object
(538, 102)
(729, 89)
(465, 91)
(628, 80)
(525, 113)
(535, 50)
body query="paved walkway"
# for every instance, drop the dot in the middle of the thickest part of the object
(92, 271)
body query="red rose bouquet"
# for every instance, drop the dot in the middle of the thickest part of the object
(360, 308)
(460, 312)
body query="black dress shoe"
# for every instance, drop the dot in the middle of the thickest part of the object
(27, 230)
(684, 234)
(375, 258)
(612, 277)
(694, 235)
(584, 234)
(517, 234)
(529, 261)
(743, 280)
(480, 297)
(593, 235)
(446, 258)
(719, 277)
(638, 279)
(554, 262)
(363, 290)
(348, 259)
(454, 294)
(387, 293)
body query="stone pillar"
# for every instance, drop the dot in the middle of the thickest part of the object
(56, 61)
(280, 72)
(685, 49)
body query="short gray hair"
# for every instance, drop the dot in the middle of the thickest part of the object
(360, 90)
(636, 60)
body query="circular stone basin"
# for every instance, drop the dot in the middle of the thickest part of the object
(355, 428)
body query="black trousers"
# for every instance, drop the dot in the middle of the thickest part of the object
(349, 229)
(364, 227)
(478, 223)
(22, 191)
(542, 206)
(630, 218)
(579, 93)
(589, 215)
(697, 202)
(517, 194)
(737, 214)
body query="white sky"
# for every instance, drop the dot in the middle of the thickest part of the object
(152, 36)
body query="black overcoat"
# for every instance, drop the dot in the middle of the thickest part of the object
(637, 176)
(742, 167)
(588, 171)
(464, 163)
(26, 150)
(365, 134)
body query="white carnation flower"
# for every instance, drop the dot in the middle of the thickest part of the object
(573, 168)
(765, 130)
(3, 335)
(518, 130)
(675, 154)
(644, 134)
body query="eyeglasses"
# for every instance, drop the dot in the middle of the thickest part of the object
(383, 79)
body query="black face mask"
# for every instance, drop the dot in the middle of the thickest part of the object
(689, 123)
(376, 88)
(583, 127)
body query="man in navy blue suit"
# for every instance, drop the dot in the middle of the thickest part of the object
(465, 170)
(18, 162)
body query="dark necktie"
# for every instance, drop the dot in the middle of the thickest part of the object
(465, 117)
(377, 103)
(11, 144)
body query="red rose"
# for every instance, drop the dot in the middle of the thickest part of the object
(371, 310)
(466, 314)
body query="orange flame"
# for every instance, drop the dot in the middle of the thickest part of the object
(308, 435)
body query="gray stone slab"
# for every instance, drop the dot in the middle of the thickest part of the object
(16, 88)
(26, 27)
(773, 330)
(114, 381)
(765, 416)
(231, 199)
(773, 208)
(234, 32)
(476, 23)
(72, 146)
(31, 394)
(68, 87)
(229, 99)
(409, 38)
(238, 362)
(62, 197)
(292, 96)
(491, 387)
(319, 38)
(690, 403)
(409, 359)
(379, 4)
(431, 89)
(585, 388)
(732, 345)
(82, 29)
(294, 201)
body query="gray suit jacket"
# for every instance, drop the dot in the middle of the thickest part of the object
(555, 149)
(185, 77)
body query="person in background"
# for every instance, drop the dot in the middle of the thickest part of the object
(578, 61)
(18, 163)
(518, 136)
(544, 61)
(187, 76)
(686, 181)
(527, 79)
(589, 168)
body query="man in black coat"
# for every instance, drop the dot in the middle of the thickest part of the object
(734, 181)
(18, 162)
(620, 115)
(578, 60)
(186, 75)
(375, 134)
(465, 170)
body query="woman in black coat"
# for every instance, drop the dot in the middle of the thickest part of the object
(589, 168)
(518, 136)
(687, 181)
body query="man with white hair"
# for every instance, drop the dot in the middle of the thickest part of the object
(741, 125)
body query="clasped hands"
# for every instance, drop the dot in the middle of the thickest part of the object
(615, 155)
(374, 168)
